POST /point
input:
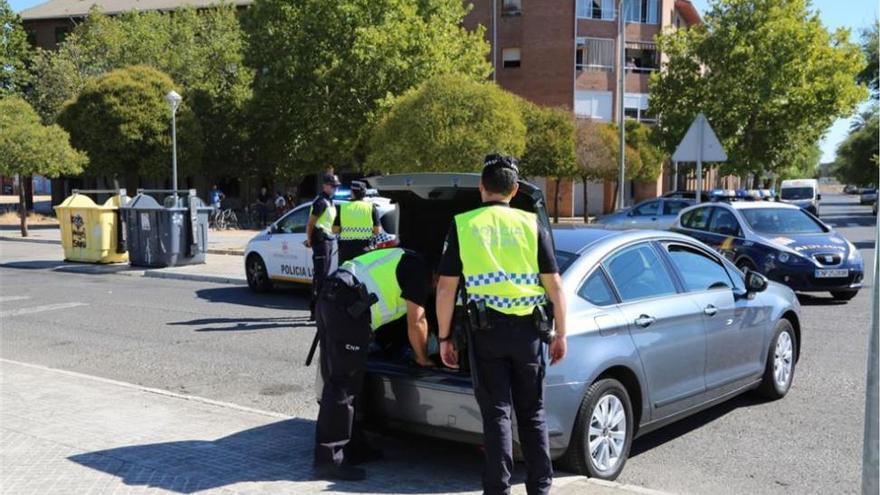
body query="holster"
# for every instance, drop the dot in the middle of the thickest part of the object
(364, 300)
(479, 316)
(543, 317)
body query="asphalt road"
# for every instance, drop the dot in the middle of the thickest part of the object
(224, 343)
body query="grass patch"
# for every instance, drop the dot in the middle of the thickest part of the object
(12, 218)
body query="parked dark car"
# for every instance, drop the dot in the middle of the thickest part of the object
(784, 242)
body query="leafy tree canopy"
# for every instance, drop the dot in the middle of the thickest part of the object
(857, 156)
(550, 146)
(15, 52)
(767, 74)
(27, 147)
(447, 124)
(327, 69)
(870, 75)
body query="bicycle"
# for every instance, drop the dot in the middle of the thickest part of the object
(224, 220)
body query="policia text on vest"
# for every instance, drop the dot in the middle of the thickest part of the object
(358, 300)
(505, 262)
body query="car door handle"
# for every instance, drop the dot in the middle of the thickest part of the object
(710, 310)
(645, 321)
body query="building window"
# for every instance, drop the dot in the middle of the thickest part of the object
(32, 38)
(61, 34)
(594, 54)
(510, 57)
(511, 7)
(593, 105)
(595, 9)
(641, 57)
(635, 106)
(643, 11)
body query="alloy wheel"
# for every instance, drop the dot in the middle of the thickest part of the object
(782, 360)
(607, 433)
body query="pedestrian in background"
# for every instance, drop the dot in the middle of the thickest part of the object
(319, 235)
(216, 197)
(357, 222)
(506, 260)
(263, 206)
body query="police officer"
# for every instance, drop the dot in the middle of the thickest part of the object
(319, 235)
(506, 261)
(362, 296)
(356, 223)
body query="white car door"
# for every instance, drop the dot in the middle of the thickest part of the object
(288, 259)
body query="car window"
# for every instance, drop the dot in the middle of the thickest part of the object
(638, 272)
(781, 221)
(724, 222)
(697, 219)
(671, 207)
(648, 209)
(796, 193)
(596, 290)
(564, 259)
(698, 270)
(295, 222)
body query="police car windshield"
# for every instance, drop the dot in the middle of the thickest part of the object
(564, 259)
(781, 221)
(795, 193)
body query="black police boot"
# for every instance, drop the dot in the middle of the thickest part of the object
(344, 472)
(363, 454)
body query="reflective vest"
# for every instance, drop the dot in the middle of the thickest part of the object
(498, 247)
(355, 221)
(325, 221)
(378, 271)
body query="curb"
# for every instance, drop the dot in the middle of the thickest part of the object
(26, 239)
(193, 277)
(226, 251)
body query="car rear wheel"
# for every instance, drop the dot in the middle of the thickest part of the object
(257, 276)
(843, 295)
(603, 432)
(781, 360)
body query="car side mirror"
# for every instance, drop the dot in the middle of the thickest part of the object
(818, 197)
(755, 282)
(273, 229)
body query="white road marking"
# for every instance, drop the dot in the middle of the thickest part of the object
(13, 298)
(39, 309)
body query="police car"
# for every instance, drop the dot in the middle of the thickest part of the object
(277, 254)
(782, 241)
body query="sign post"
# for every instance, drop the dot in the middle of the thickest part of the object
(699, 144)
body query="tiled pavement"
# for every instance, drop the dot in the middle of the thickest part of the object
(66, 433)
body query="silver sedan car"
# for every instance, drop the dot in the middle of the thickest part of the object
(660, 327)
(658, 213)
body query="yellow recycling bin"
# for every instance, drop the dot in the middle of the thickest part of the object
(92, 233)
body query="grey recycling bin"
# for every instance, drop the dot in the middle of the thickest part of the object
(160, 236)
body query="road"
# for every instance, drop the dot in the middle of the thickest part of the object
(224, 343)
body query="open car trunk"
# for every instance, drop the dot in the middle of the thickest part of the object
(438, 402)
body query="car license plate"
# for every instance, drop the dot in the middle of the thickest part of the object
(835, 273)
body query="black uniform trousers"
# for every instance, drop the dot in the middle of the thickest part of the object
(322, 252)
(344, 343)
(510, 371)
(351, 249)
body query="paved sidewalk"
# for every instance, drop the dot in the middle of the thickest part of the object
(63, 432)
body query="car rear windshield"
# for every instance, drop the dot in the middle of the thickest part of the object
(795, 193)
(781, 221)
(564, 259)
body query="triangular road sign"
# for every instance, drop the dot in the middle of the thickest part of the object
(700, 144)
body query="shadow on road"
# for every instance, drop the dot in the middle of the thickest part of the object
(815, 300)
(246, 324)
(294, 299)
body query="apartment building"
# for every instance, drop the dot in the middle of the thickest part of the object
(564, 54)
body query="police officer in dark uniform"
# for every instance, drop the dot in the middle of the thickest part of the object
(319, 235)
(358, 300)
(356, 223)
(506, 260)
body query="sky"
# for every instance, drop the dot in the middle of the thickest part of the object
(853, 14)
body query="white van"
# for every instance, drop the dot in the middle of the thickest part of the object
(801, 192)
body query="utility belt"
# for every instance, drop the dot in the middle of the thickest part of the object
(346, 289)
(482, 318)
(321, 235)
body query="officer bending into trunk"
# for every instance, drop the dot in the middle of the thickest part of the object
(319, 235)
(509, 270)
(366, 293)
(357, 222)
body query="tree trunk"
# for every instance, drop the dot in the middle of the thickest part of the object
(22, 205)
(556, 202)
(586, 210)
(614, 197)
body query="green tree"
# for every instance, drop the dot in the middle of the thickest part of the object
(857, 156)
(123, 122)
(448, 124)
(201, 50)
(870, 75)
(28, 147)
(767, 74)
(595, 151)
(549, 149)
(15, 52)
(327, 70)
(641, 139)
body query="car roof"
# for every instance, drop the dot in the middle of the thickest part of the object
(576, 239)
(752, 205)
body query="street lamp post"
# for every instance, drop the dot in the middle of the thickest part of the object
(621, 87)
(173, 100)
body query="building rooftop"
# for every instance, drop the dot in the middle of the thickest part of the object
(62, 9)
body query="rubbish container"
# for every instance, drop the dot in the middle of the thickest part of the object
(160, 236)
(92, 233)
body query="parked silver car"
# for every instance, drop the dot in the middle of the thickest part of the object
(657, 213)
(660, 327)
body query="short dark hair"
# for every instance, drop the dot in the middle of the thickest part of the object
(500, 174)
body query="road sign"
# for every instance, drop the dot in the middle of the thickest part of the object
(698, 145)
